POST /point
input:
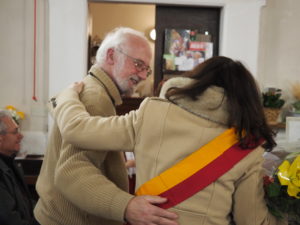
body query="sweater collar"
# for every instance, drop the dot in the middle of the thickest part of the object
(108, 84)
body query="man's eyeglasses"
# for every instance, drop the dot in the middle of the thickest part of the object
(139, 64)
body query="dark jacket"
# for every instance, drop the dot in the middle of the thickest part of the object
(15, 201)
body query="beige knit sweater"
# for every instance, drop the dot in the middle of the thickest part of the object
(78, 187)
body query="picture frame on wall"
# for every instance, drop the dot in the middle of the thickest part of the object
(184, 49)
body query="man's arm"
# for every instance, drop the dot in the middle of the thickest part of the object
(139, 210)
(82, 130)
(113, 202)
(79, 178)
(82, 171)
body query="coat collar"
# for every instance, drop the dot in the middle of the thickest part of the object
(211, 105)
(7, 159)
(108, 84)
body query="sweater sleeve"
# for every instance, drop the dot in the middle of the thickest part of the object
(79, 178)
(80, 181)
(8, 204)
(97, 133)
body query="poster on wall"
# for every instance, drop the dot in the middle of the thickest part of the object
(184, 49)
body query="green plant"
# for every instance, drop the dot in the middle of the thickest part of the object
(296, 106)
(272, 98)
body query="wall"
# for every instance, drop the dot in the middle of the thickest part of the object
(17, 68)
(68, 43)
(116, 14)
(279, 52)
(68, 40)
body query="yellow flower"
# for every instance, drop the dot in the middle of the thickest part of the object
(16, 115)
(289, 175)
(10, 107)
(21, 114)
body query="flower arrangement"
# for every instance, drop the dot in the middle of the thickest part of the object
(283, 189)
(16, 115)
(272, 103)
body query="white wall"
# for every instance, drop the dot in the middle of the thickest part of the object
(16, 65)
(67, 43)
(16, 60)
(240, 31)
(279, 54)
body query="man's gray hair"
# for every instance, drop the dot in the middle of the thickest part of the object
(115, 39)
(3, 114)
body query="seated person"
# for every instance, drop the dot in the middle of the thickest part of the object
(16, 206)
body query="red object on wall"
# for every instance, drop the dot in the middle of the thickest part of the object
(34, 53)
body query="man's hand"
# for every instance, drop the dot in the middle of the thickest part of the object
(77, 86)
(141, 211)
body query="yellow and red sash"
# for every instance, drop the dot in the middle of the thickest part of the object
(196, 171)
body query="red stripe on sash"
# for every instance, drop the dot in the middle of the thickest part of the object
(204, 177)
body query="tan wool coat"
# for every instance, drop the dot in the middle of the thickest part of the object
(161, 133)
(79, 187)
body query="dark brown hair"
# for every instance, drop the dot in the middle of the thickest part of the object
(245, 108)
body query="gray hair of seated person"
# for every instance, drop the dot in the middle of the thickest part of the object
(115, 39)
(3, 127)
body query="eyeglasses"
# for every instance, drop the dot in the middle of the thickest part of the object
(15, 132)
(139, 64)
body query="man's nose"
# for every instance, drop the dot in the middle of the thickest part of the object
(21, 136)
(143, 74)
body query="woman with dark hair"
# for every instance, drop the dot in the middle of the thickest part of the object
(245, 111)
(201, 147)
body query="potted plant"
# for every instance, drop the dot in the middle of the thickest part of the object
(272, 103)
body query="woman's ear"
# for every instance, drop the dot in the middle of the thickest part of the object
(110, 56)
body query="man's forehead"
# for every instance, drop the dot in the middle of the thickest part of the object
(141, 52)
(135, 42)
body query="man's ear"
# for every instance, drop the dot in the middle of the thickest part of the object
(110, 56)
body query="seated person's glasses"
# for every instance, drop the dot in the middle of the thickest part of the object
(14, 132)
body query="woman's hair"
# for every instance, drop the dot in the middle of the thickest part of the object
(245, 110)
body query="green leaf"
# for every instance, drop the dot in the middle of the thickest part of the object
(273, 190)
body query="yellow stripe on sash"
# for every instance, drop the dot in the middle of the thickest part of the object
(190, 165)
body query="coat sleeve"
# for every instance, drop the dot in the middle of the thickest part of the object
(8, 204)
(249, 205)
(79, 178)
(96, 133)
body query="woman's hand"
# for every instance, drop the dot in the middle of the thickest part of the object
(77, 86)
